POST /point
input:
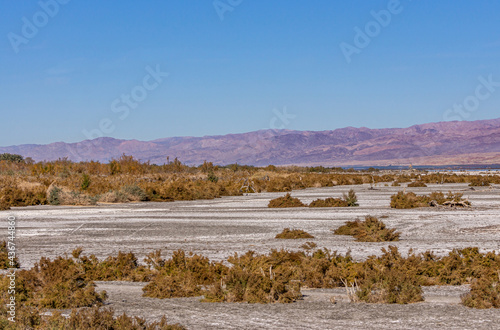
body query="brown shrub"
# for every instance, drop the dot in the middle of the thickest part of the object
(370, 230)
(60, 283)
(285, 201)
(410, 200)
(183, 276)
(387, 279)
(479, 181)
(484, 293)
(259, 279)
(417, 184)
(329, 202)
(288, 233)
(123, 267)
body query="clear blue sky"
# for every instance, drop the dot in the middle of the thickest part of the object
(228, 75)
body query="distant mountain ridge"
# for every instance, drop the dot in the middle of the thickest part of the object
(442, 143)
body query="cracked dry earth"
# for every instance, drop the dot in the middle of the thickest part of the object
(218, 228)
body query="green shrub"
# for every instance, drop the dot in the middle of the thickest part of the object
(85, 182)
(11, 158)
(54, 196)
(351, 198)
(212, 177)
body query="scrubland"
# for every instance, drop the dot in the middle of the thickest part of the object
(228, 235)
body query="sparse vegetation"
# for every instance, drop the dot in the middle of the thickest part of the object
(275, 277)
(288, 233)
(369, 230)
(24, 182)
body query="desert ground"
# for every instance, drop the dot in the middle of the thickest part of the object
(219, 228)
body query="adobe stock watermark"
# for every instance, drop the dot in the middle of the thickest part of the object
(30, 28)
(122, 107)
(281, 119)
(223, 6)
(482, 92)
(11, 255)
(363, 37)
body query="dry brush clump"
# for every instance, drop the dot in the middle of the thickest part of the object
(123, 267)
(417, 184)
(60, 283)
(484, 293)
(349, 199)
(183, 275)
(285, 201)
(387, 279)
(258, 279)
(288, 233)
(369, 230)
(479, 181)
(329, 202)
(408, 200)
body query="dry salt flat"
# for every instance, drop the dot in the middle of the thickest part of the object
(218, 228)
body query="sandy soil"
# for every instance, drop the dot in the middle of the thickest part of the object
(218, 228)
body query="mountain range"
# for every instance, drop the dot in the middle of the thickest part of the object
(441, 143)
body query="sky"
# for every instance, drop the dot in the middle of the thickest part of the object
(72, 70)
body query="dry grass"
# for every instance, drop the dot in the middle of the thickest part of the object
(288, 233)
